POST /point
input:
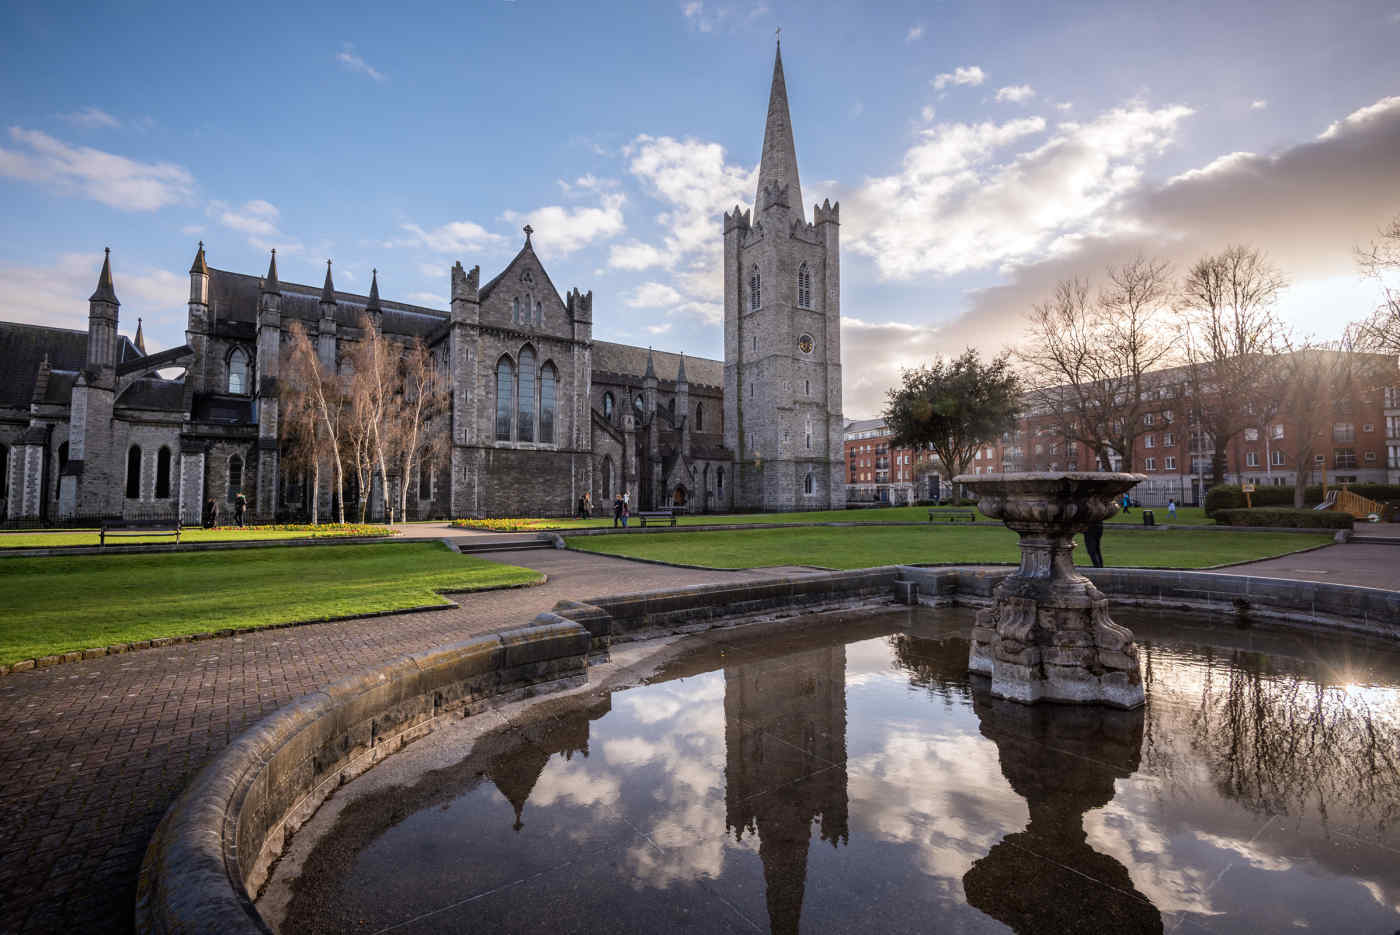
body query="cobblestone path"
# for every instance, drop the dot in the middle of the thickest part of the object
(94, 751)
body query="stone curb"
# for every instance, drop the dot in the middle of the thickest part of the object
(154, 548)
(117, 649)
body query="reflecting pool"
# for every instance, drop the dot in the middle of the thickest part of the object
(847, 774)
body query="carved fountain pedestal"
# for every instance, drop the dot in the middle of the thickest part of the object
(1048, 636)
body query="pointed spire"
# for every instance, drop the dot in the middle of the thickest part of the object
(105, 291)
(680, 371)
(328, 290)
(779, 163)
(199, 266)
(373, 304)
(140, 340)
(651, 367)
(271, 285)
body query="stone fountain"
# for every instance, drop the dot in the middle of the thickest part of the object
(1048, 636)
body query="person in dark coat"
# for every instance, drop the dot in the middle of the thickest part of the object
(1093, 537)
(617, 511)
(240, 506)
(211, 513)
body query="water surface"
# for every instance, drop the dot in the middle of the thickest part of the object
(851, 776)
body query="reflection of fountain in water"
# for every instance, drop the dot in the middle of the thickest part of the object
(785, 749)
(1063, 761)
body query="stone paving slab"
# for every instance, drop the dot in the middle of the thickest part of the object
(95, 751)
(1364, 564)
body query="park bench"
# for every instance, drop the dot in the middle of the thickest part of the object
(657, 515)
(954, 516)
(118, 528)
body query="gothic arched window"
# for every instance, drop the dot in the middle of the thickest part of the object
(539, 313)
(525, 430)
(807, 483)
(238, 372)
(425, 479)
(699, 418)
(804, 287)
(163, 473)
(235, 477)
(505, 398)
(549, 378)
(608, 405)
(639, 404)
(133, 472)
(607, 478)
(755, 294)
(515, 311)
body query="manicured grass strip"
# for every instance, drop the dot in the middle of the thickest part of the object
(55, 538)
(1185, 516)
(864, 547)
(61, 604)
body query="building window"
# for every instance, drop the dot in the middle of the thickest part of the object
(425, 479)
(505, 398)
(755, 296)
(1251, 435)
(1343, 432)
(719, 479)
(1368, 427)
(1168, 440)
(1251, 459)
(539, 313)
(1169, 462)
(525, 428)
(699, 418)
(607, 478)
(1276, 431)
(608, 405)
(4, 472)
(807, 483)
(639, 405)
(1152, 464)
(1149, 441)
(1147, 418)
(133, 472)
(548, 380)
(162, 473)
(235, 477)
(804, 287)
(1344, 457)
(1277, 458)
(238, 372)
(1370, 456)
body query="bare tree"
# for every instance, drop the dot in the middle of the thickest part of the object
(326, 397)
(298, 425)
(1381, 331)
(1230, 332)
(414, 426)
(1089, 358)
(373, 381)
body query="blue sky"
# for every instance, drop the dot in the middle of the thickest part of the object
(979, 152)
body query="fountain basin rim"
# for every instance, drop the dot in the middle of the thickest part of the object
(1107, 478)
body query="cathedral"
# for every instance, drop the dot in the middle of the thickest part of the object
(539, 414)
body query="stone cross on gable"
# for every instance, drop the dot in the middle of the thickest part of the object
(528, 231)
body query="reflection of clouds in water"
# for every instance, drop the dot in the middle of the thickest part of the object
(575, 782)
(951, 805)
(1379, 895)
(1251, 854)
(1123, 831)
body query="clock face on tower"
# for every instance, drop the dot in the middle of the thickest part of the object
(805, 344)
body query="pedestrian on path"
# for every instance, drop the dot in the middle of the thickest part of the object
(587, 504)
(617, 511)
(626, 511)
(240, 506)
(1171, 508)
(1093, 538)
(1127, 504)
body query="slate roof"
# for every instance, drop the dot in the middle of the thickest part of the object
(154, 393)
(629, 361)
(22, 347)
(60, 388)
(234, 297)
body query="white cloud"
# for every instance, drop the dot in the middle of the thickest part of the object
(958, 205)
(927, 113)
(347, 57)
(635, 255)
(91, 118)
(115, 181)
(662, 328)
(914, 34)
(1384, 109)
(970, 75)
(258, 219)
(562, 230)
(872, 354)
(723, 15)
(653, 295)
(1065, 105)
(428, 299)
(587, 183)
(1260, 104)
(453, 237)
(56, 295)
(1015, 94)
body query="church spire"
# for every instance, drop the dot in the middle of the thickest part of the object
(328, 290)
(779, 163)
(271, 285)
(140, 340)
(373, 304)
(105, 292)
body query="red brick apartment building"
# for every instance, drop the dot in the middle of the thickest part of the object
(1361, 445)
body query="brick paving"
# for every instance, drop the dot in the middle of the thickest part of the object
(94, 751)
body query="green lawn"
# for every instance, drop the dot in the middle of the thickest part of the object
(1187, 516)
(832, 547)
(50, 538)
(60, 604)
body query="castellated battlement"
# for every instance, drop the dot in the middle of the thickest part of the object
(826, 212)
(466, 286)
(579, 304)
(738, 218)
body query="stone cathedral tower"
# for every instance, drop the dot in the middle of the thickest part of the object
(782, 335)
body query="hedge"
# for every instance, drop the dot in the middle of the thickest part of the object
(1230, 497)
(1296, 519)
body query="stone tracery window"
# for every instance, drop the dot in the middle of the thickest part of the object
(163, 473)
(804, 286)
(755, 292)
(699, 418)
(133, 472)
(235, 477)
(549, 378)
(807, 483)
(525, 430)
(505, 398)
(238, 372)
(609, 404)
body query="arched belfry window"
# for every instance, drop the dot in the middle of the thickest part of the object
(238, 372)
(699, 417)
(755, 291)
(609, 404)
(163, 473)
(133, 472)
(525, 429)
(549, 379)
(804, 286)
(505, 398)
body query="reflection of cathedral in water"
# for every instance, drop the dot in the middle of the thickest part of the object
(785, 755)
(515, 773)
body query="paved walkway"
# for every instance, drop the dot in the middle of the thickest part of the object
(1370, 566)
(93, 752)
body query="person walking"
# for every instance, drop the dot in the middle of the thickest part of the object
(1093, 538)
(587, 504)
(617, 511)
(1171, 508)
(1127, 504)
(626, 510)
(211, 513)
(240, 506)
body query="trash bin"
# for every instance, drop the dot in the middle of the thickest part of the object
(1147, 518)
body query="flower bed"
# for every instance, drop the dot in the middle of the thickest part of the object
(322, 530)
(514, 524)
